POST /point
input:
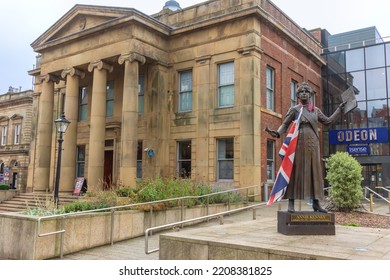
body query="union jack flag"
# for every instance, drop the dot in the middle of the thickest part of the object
(287, 153)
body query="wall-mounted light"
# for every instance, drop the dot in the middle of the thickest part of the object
(149, 152)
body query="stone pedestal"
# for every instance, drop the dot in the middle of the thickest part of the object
(306, 223)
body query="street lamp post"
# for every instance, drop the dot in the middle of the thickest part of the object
(61, 124)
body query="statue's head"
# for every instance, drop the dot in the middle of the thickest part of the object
(304, 87)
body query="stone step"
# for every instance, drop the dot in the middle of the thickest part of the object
(26, 201)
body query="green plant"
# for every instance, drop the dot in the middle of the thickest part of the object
(4, 187)
(344, 175)
(352, 225)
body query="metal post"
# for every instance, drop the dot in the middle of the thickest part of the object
(389, 200)
(58, 172)
(62, 238)
(182, 211)
(371, 202)
(112, 226)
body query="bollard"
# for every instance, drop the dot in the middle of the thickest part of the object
(371, 202)
(388, 197)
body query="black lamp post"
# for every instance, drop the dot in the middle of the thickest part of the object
(61, 125)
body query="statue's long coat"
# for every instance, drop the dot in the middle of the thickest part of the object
(306, 181)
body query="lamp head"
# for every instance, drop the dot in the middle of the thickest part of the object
(62, 124)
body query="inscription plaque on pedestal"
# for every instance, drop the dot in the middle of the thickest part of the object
(306, 223)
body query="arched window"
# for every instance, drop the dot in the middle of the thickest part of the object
(1, 167)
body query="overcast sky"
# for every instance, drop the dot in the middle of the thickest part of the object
(23, 21)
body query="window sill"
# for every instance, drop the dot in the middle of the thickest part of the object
(270, 112)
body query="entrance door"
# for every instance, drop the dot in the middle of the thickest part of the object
(108, 166)
(372, 176)
(14, 180)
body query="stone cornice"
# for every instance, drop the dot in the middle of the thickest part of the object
(100, 65)
(72, 72)
(131, 57)
(249, 50)
(203, 59)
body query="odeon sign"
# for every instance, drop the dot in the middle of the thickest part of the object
(359, 136)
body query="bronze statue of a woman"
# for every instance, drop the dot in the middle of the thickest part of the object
(306, 181)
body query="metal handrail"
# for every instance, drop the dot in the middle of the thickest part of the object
(372, 192)
(115, 208)
(375, 193)
(207, 217)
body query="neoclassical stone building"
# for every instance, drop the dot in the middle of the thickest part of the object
(180, 93)
(16, 110)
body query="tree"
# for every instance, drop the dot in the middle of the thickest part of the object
(344, 175)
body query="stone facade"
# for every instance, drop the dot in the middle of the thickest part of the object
(209, 59)
(16, 110)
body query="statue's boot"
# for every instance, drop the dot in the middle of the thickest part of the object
(317, 207)
(291, 206)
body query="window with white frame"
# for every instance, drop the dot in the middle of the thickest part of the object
(184, 159)
(270, 82)
(4, 130)
(110, 99)
(226, 85)
(17, 134)
(83, 103)
(270, 160)
(185, 91)
(312, 99)
(141, 93)
(225, 159)
(293, 93)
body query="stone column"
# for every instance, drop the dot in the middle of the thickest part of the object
(201, 165)
(44, 133)
(97, 124)
(128, 162)
(250, 130)
(68, 164)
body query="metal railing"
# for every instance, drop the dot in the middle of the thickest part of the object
(220, 216)
(371, 193)
(180, 200)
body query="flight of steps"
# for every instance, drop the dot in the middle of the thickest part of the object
(24, 201)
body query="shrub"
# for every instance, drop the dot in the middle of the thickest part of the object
(4, 187)
(344, 176)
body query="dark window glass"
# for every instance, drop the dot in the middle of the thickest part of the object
(110, 99)
(83, 103)
(80, 161)
(139, 160)
(270, 160)
(184, 159)
(225, 159)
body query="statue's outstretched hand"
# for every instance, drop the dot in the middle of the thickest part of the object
(342, 105)
(273, 133)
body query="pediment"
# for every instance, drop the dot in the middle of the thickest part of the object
(4, 118)
(80, 18)
(16, 117)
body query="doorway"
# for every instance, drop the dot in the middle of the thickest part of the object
(108, 167)
(14, 180)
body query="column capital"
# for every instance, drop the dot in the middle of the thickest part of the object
(72, 72)
(100, 65)
(131, 57)
(49, 78)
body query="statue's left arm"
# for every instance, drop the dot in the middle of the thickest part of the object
(329, 120)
